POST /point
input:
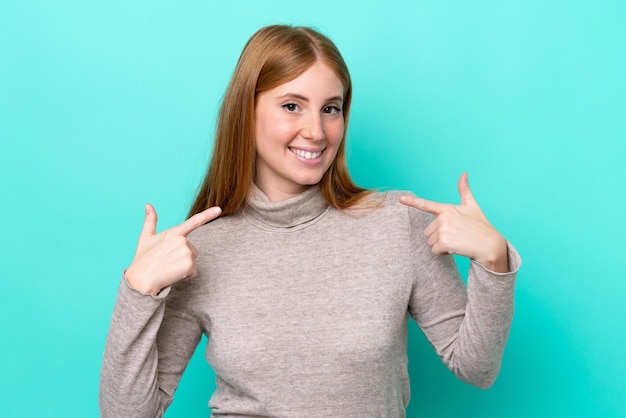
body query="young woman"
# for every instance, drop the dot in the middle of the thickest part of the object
(304, 284)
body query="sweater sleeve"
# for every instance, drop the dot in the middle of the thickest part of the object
(150, 341)
(467, 326)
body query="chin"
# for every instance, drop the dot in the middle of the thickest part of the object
(311, 181)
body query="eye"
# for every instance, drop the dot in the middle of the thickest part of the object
(290, 107)
(331, 110)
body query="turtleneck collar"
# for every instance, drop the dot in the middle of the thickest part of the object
(296, 212)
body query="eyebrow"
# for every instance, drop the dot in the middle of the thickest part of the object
(305, 99)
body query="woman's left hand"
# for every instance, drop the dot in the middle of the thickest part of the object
(463, 229)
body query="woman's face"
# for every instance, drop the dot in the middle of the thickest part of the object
(299, 127)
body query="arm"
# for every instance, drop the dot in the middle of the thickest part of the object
(149, 344)
(468, 327)
(152, 334)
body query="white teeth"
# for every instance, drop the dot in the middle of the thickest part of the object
(306, 154)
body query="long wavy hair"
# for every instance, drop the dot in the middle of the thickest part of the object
(274, 55)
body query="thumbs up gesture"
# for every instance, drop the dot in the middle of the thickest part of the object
(165, 258)
(463, 229)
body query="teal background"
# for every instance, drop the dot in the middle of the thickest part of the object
(107, 105)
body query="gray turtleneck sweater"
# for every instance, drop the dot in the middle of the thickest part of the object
(305, 308)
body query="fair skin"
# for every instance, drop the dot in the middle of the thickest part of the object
(463, 229)
(165, 258)
(299, 127)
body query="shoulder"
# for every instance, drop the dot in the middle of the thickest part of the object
(387, 204)
(387, 201)
(377, 199)
(215, 230)
(383, 209)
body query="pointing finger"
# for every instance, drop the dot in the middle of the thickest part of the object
(429, 206)
(197, 220)
(467, 198)
(150, 221)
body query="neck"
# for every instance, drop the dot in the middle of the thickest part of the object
(278, 194)
(296, 212)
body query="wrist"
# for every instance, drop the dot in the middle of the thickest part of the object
(496, 257)
(139, 285)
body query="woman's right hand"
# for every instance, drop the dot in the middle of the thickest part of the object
(165, 258)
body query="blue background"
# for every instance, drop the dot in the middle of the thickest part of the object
(107, 105)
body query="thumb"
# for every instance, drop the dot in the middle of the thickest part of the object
(150, 221)
(467, 198)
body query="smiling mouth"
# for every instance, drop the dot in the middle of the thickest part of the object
(307, 155)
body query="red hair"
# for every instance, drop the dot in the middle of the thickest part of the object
(274, 55)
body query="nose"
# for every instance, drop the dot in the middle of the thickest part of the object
(313, 128)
